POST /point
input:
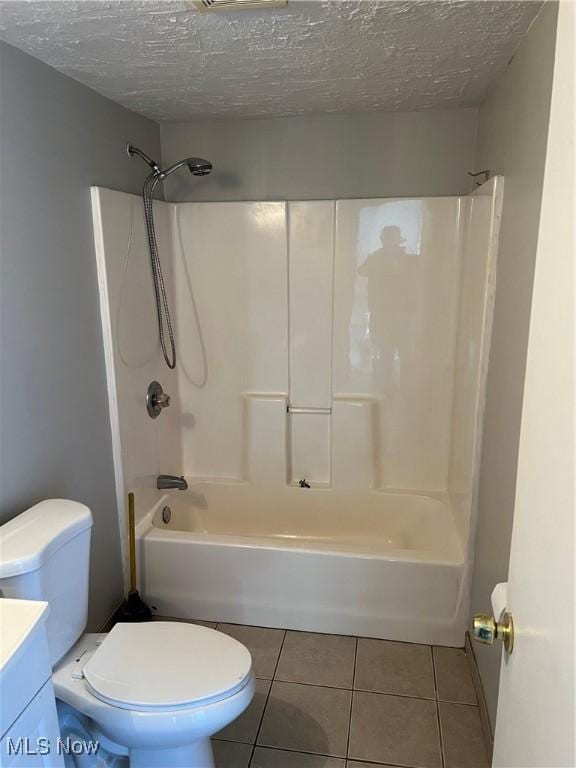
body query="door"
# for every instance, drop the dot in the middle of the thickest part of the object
(535, 721)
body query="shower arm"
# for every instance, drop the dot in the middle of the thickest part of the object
(132, 150)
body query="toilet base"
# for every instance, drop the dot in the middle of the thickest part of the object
(197, 755)
(77, 727)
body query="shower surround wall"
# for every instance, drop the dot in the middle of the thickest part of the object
(338, 342)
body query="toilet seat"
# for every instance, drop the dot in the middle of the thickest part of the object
(166, 665)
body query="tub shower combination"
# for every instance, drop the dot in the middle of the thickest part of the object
(325, 410)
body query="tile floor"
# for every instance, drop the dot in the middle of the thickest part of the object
(328, 701)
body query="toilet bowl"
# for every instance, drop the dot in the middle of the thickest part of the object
(156, 692)
(151, 694)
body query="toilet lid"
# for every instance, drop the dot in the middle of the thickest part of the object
(166, 664)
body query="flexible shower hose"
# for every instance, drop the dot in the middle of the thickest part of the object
(162, 308)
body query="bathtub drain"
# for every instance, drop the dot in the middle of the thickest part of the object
(166, 514)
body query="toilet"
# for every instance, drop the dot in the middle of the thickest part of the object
(151, 694)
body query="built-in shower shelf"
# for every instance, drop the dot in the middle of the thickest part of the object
(311, 410)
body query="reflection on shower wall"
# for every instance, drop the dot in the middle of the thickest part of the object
(396, 292)
(366, 319)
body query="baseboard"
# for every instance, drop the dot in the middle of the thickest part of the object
(483, 709)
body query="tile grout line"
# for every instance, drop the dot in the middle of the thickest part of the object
(267, 699)
(351, 699)
(323, 754)
(368, 690)
(442, 756)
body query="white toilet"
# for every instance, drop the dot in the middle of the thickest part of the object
(151, 694)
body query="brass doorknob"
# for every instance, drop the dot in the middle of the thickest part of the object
(485, 629)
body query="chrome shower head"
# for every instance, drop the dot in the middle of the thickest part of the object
(199, 167)
(196, 165)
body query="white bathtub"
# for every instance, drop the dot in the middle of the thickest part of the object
(376, 564)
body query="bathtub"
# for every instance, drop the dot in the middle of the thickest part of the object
(375, 564)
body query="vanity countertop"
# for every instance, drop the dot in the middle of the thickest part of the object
(18, 620)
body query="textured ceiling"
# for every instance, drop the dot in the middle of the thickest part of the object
(165, 59)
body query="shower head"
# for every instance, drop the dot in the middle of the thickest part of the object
(199, 167)
(196, 165)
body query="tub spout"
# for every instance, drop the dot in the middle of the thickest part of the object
(171, 482)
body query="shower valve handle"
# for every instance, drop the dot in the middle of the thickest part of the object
(163, 400)
(156, 399)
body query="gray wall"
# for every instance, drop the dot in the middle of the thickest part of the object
(57, 138)
(512, 133)
(374, 154)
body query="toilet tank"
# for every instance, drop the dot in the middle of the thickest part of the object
(45, 555)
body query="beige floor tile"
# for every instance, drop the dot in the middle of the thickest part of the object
(306, 718)
(453, 678)
(227, 754)
(394, 729)
(398, 668)
(317, 659)
(278, 758)
(462, 736)
(264, 644)
(245, 727)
